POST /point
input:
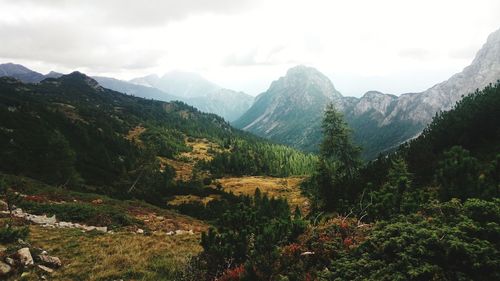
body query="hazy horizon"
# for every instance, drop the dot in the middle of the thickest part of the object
(245, 45)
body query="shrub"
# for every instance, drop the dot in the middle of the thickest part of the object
(9, 234)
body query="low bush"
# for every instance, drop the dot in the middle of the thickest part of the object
(9, 234)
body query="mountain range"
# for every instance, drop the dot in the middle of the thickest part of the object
(190, 88)
(290, 111)
(195, 90)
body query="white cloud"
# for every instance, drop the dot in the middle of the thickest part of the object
(388, 45)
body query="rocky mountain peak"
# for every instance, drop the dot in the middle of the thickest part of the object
(304, 81)
(302, 70)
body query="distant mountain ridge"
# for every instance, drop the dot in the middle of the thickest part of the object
(178, 83)
(195, 90)
(186, 87)
(134, 89)
(380, 122)
(21, 73)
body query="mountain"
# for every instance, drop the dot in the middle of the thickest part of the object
(72, 129)
(20, 72)
(178, 83)
(484, 69)
(27, 75)
(134, 89)
(223, 102)
(405, 117)
(200, 93)
(290, 112)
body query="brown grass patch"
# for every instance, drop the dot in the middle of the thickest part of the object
(115, 256)
(183, 170)
(275, 187)
(166, 220)
(202, 149)
(183, 199)
(183, 164)
(134, 135)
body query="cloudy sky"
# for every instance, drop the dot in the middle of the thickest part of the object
(391, 46)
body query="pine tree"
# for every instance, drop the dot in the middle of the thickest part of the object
(338, 165)
(337, 144)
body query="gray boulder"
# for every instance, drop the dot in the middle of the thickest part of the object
(25, 257)
(49, 260)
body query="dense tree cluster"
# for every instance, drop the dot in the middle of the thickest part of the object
(256, 157)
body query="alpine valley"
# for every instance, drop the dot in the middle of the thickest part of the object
(174, 177)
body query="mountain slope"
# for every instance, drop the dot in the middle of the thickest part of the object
(288, 112)
(71, 129)
(134, 89)
(194, 90)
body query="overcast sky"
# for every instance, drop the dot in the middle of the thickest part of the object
(391, 46)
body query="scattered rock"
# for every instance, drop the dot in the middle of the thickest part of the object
(170, 233)
(10, 261)
(4, 269)
(42, 219)
(97, 201)
(3, 206)
(25, 256)
(49, 260)
(307, 253)
(180, 232)
(52, 221)
(46, 269)
(140, 231)
(101, 228)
